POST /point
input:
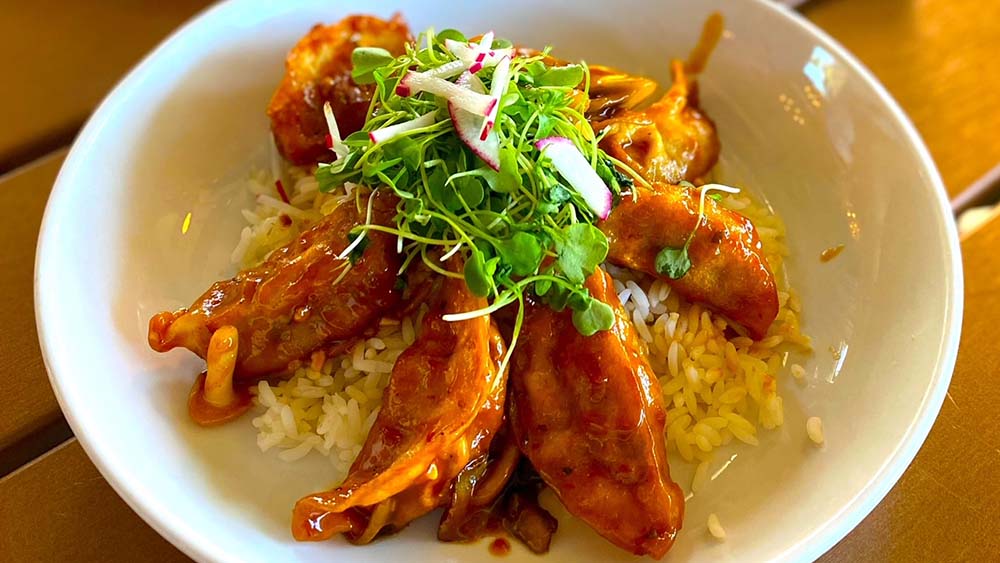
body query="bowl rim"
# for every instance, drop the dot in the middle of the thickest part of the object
(810, 547)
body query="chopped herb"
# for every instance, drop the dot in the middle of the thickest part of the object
(582, 247)
(597, 316)
(676, 262)
(673, 262)
(620, 177)
(401, 283)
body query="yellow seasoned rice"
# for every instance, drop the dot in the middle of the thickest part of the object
(715, 527)
(814, 429)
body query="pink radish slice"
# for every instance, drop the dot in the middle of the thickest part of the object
(475, 58)
(414, 82)
(575, 169)
(386, 133)
(448, 70)
(501, 79)
(486, 42)
(467, 126)
(478, 65)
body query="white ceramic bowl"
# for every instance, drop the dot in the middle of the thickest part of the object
(802, 123)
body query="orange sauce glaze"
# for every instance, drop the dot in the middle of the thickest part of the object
(207, 414)
(711, 32)
(500, 547)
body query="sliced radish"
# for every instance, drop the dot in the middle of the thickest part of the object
(386, 133)
(334, 141)
(472, 82)
(467, 125)
(485, 49)
(414, 82)
(501, 79)
(486, 43)
(475, 58)
(448, 70)
(575, 169)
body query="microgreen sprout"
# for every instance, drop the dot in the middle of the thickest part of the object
(518, 222)
(675, 262)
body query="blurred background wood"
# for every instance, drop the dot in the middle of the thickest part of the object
(938, 58)
(30, 405)
(62, 57)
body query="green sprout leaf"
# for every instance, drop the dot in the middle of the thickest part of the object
(673, 262)
(542, 287)
(405, 149)
(452, 34)
(559, 194)
(461, 189)
(581, 248)
(546, 123)
(568, 76)
(535, 69)
(523, 252)
(366, 60)
(557, 297)
(509, 180)
(500, 43)
(593, 318)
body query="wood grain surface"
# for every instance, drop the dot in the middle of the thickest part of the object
(30, 404)
(63, 57)
(59, 508)
(938, 59)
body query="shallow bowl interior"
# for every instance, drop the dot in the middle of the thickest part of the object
(802, 126)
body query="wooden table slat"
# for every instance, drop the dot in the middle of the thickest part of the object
(30, 404)
(59, 508)
(63, 57)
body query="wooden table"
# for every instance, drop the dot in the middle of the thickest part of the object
(935, 56)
